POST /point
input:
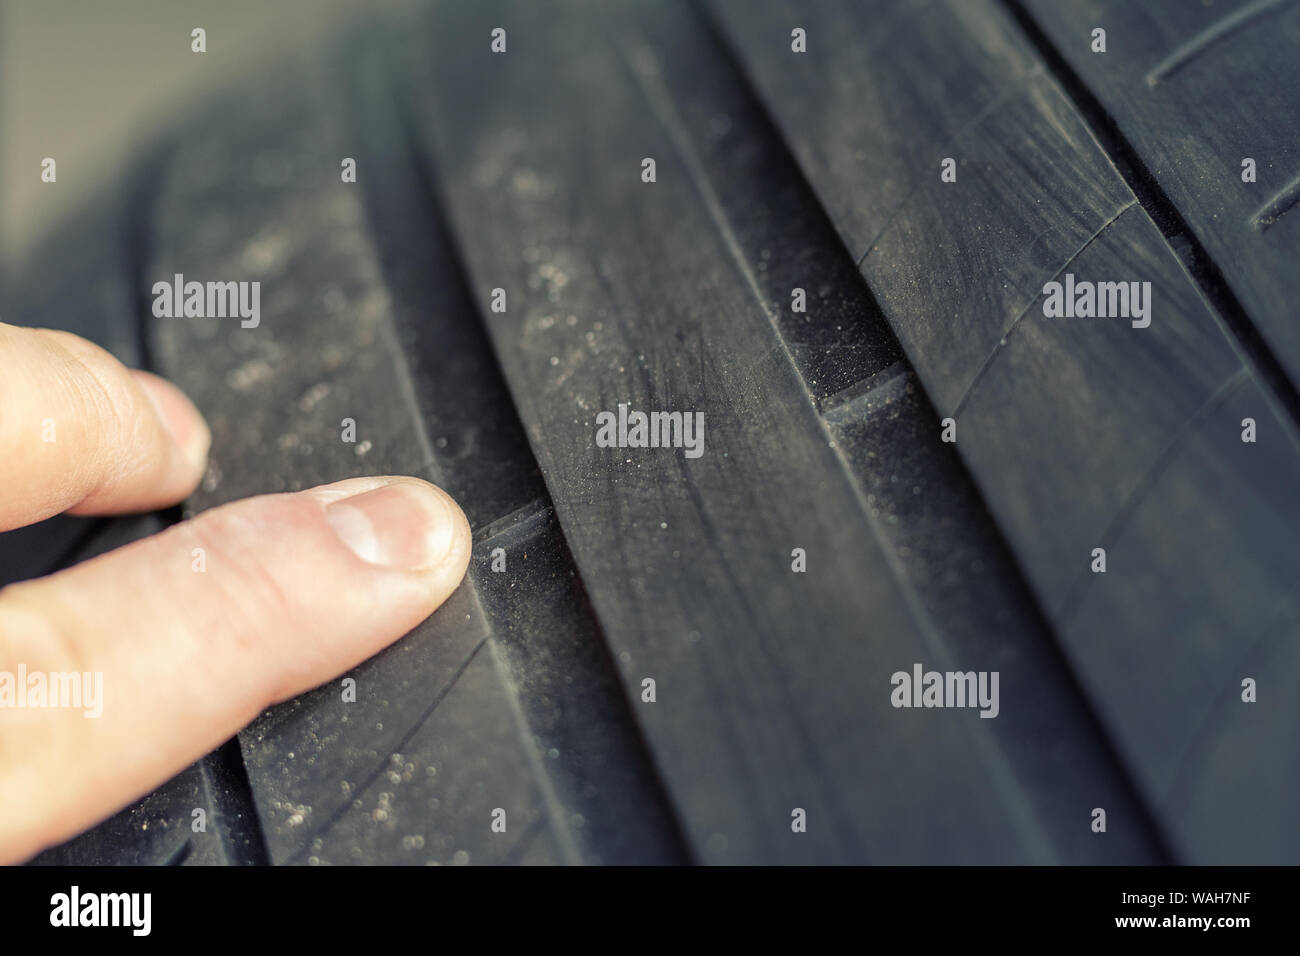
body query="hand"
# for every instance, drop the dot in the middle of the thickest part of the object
(294, 588)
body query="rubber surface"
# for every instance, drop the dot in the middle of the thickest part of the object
(1082, 434)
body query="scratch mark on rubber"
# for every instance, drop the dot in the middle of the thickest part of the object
(1181, 788)
(1282, 202)
(1211, 35)
(1006, 333)
(1231, 385)
(401, 745)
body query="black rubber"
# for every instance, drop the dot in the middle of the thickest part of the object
(774, 171)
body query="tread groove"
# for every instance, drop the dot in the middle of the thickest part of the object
(236, 817)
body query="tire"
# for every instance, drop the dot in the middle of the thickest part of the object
(828, 537)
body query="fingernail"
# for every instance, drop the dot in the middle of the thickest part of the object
(178, 417)
(408, 525)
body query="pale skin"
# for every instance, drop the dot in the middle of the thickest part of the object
(296, 588)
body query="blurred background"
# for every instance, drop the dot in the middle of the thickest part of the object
(83, 81)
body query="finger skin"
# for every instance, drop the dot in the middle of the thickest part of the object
(81, 432)
(189, 657)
